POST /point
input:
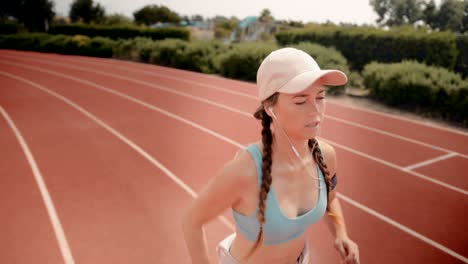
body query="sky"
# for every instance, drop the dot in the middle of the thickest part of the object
(350, 11)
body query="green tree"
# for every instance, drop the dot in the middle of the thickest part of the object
(116, 19)
(265, 16)
(86, 11)
(382, 8)
(197, 18)
(465, 17)
(36, 15)
(450, 15)
(430, 13)
(397, 12)
(224, 26)
(151, 14)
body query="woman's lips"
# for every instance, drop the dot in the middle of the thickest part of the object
(313, 124)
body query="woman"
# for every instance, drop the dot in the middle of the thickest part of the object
(279, 186)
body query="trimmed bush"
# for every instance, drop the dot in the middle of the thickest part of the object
(76, 45)
(418, 87)
(195, 55)
(461, 66)
(22, 41)
(8, 28)
(137, 49)
(362, 45)
(241, 61)
(120, 32)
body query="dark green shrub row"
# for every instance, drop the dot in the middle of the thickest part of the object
(242, 60)
(116, 32)
(197, 55)
(8, 28)
(237, 61)
(409, 85)
(75, 45)
(362, 45)
(461, 65)
(414, 86)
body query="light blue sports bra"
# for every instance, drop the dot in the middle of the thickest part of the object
(278, 228)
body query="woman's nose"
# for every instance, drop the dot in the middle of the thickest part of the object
(314, 108)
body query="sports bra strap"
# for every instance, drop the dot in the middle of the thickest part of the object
(257, 155)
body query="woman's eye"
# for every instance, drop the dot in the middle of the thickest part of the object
(320, 98)
(300, 103)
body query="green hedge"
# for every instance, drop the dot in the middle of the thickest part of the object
(414, 86)
(197, 55)
(136, 49)
(74, 45)
(362, 45)
(116, 32)
(409, 84)
(242, 60)
(461, 65)
(8, 28)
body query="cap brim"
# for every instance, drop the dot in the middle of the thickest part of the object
(305, 79)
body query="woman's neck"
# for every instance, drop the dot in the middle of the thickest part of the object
(284, 157)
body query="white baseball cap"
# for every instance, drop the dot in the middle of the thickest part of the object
(290, 70)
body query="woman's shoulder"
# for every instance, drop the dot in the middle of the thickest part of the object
(243, 164)
(329, 154)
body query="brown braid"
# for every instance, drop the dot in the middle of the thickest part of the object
(318, 157)
(267, 140)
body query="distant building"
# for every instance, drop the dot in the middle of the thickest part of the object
(198, 29)
(202, 25)
(251, 29)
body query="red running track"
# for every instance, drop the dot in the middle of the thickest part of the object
(118, 146)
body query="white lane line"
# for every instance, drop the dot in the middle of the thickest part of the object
(49, 204)
(130, 143)
(397, 136)
(441, 183)
(111, 62)
(427, 162)
(419, 175)
(174, 177)
(133, 99)
(404, 228)
(376, 130)
(402, 118)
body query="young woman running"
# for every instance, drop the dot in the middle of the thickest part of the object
(280, 185)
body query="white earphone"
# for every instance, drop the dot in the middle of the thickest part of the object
(292, 146)
(271, 111)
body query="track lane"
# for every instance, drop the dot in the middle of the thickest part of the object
(104, 199)
(363, 140)
(23, 240)
(417, 130)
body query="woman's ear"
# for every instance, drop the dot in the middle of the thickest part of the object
(269, 111)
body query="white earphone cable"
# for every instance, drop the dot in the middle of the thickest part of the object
(292, 146)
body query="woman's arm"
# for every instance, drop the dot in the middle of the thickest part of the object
(336, 224)
(335, 221)
(221, 192)
(348, 250)
(195, 239)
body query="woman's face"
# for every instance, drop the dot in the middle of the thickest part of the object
(299, 113)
